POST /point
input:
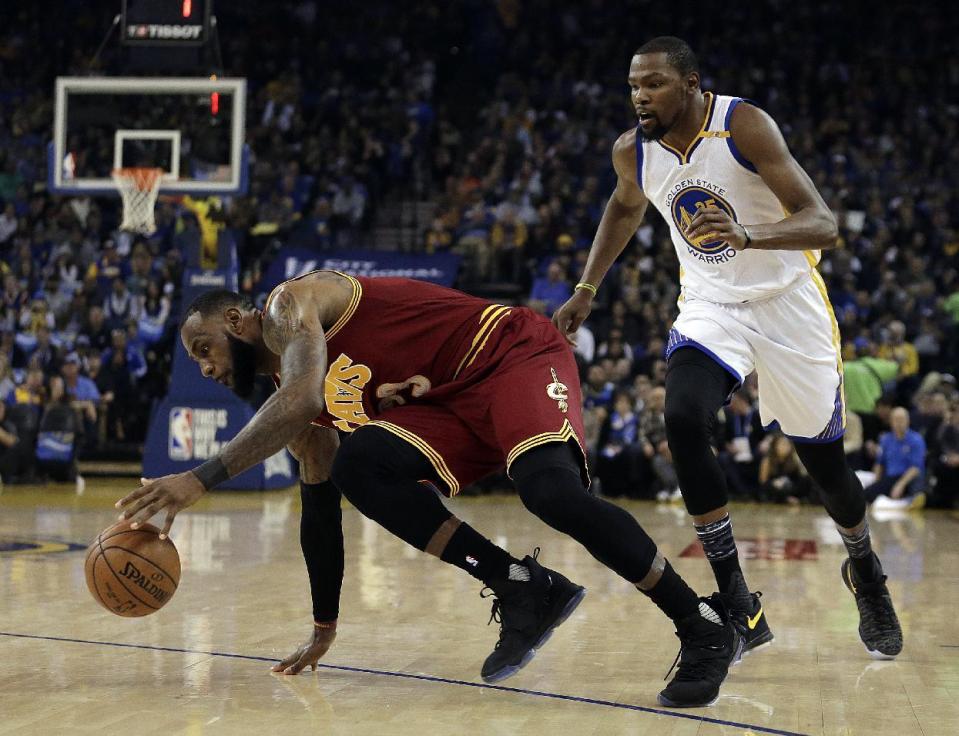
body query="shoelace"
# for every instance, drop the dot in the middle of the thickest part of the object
(688, 670)
(496, 610)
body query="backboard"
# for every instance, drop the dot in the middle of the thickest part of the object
(192, 128)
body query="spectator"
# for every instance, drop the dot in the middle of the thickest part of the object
(7, 383)
(45, 353)
(11, 455)
(598, 389)
(121, 367)
(84, 397)
(652, 427)
(782, 477)
(900, 467)
(549, 292)
(619, 463)
(121, 305)
(96, 329)
(740, 434)
(864, 380)
(896, 348)
(31, 393)
(154, 314)
(945, 467)
(58, 436)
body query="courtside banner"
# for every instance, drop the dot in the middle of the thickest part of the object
(187, 432)
(439, 268)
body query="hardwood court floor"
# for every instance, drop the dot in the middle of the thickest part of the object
(413, 634)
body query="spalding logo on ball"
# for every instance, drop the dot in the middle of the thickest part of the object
(132, 572)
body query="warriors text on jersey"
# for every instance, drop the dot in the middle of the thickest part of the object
(712, 171)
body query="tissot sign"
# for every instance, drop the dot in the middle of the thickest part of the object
(163, 32)
(165, 22)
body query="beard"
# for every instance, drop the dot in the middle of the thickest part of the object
(243, 356)
(655, 134)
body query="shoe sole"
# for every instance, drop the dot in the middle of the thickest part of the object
(670, 704)
(763, 644)
(512, 669)
(881, 656)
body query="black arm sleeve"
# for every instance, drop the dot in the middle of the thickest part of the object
(321, 539)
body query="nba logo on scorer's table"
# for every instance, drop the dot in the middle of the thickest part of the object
(181, 433)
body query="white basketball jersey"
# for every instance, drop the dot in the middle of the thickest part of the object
(712, 171)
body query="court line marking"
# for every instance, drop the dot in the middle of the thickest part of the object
(427, 678)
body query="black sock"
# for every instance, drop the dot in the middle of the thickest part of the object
(471, 551)
(676, 599)
(720, 548)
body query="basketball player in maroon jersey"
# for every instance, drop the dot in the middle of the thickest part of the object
(430, 387)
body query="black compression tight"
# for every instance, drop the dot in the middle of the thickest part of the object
(696, 389)
(839, 487)
(378, 472)
(549, 484)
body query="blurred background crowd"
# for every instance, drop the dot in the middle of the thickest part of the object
(484, 128)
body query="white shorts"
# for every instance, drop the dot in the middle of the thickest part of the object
(792, 342)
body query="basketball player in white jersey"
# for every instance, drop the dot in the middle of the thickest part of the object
(748, 226)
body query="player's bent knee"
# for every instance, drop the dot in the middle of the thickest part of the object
(685, 415)
(548, 480)
(359, 462)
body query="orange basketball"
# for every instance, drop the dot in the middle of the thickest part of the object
(132, 572)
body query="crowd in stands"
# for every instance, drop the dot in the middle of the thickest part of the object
(503, 114)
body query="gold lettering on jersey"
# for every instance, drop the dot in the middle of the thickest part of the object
(343, 390)
(558, 392)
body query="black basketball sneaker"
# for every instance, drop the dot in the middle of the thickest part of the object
(527, 612)
(747, 614)
(879, 626)
(709, 645)
(751, 624)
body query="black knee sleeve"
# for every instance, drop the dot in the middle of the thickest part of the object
(839, 486)
(549, 484)
(379, 474)
(696, 388)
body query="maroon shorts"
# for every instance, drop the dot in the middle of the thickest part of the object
(521, 391)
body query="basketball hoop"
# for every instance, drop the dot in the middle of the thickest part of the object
(139, 188)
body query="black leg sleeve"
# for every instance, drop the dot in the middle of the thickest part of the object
(696, 389)
(321, 539)
(549, 484)
(839, 487)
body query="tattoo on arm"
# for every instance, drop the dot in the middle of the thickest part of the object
(281, 321)
(295, 333)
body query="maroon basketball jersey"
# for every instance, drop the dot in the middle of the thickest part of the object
(395, 329)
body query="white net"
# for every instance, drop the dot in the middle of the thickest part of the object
(139, 188)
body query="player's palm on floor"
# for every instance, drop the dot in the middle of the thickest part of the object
(308, 653)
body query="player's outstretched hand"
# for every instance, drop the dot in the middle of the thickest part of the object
(172, 493)
(571, 315)
(309, 653)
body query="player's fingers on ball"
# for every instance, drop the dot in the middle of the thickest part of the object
(145, 513)
(130, 497)
(165, 531)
